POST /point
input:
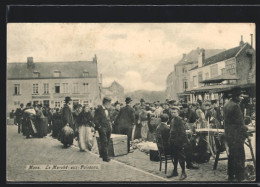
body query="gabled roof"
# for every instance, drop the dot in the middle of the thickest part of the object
(72, 69)
(223, 55)
(192, 56)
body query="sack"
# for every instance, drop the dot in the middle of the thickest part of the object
(67, 135)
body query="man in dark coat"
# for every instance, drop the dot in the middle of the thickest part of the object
(19, 117)
(177, 140)
(235, 134)
(104, 127)
(126, 121)
(66, 119)
(66, 113)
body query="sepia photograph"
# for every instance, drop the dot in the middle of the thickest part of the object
(131, 102)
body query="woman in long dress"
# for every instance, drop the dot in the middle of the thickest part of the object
(86, 138)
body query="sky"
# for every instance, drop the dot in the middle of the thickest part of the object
(139, 56)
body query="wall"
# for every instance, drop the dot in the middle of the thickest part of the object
(26, 87)
(204, 70)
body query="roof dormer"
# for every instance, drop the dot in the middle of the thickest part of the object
(56, 73)
(36, 74)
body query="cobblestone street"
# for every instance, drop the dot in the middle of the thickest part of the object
(135, 166)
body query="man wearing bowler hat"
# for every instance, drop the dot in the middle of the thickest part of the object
(126, 121)
(104, 127)
(235, 135)
(66, 116)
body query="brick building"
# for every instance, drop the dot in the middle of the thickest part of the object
(49, 83)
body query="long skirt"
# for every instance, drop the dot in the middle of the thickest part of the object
(86, 138)
(144, 130)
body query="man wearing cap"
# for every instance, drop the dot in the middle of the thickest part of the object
(177, 139)
(235, 135)
(126, 121)
(104, 127)
(19, 117)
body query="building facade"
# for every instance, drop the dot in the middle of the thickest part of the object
(49, 83)
(234, 66)
(115, 91)
(178, 80)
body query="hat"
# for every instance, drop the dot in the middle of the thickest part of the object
(214, 101)
(128, 100)
(207, 104)
(142, 100)
(39, 105)
(175, 108)
(117, 103)
(171, 102)
(164, 117)
(236, 91)
(21, 105)
(106, 99)
(67, 99)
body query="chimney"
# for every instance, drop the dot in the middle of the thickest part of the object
(201, 58)
(241, 42)
(30, 64)
(95, 58)
(251, 40)
(184, 55)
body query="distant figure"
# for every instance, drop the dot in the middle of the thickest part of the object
(114, 116)
(19, 117)
(126, 120)
(104, 127)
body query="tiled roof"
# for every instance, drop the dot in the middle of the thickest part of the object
(192, 56)
(73, 69)
(222, 56)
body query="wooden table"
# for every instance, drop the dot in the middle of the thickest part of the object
(213, 137)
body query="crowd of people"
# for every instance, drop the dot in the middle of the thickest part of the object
(163, 123)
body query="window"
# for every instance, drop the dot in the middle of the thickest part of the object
(85, 74)
(184, 70)
(46, 103)
(76, 88)
(56, 73)
(195, 80)
(185, 84)
(36, 74)
(57, 104)
(17, 89)
(85, 85)
(207, 76)
(57, 87)
(35, 89)
(75, 102)
(65, 87)
(46, 88)
(214, 70)
(223, 71)
(85, 102)
(35, 102)
(200, 77)
(17, 103)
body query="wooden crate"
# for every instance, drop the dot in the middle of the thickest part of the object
(117, 145)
